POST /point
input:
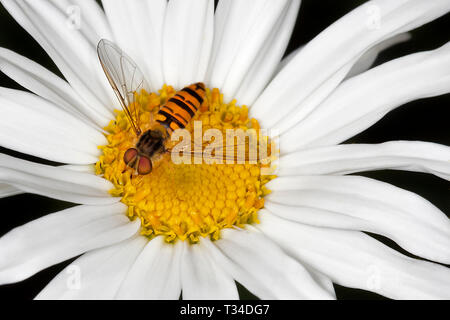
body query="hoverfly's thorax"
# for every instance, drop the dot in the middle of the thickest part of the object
(151, 142)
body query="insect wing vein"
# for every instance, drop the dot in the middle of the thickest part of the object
(125, 78)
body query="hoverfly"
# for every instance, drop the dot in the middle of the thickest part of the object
(126, 80)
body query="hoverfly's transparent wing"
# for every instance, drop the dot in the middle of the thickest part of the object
(125, 78)
(247, 156)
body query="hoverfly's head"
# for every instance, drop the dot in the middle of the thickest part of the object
(140, 163)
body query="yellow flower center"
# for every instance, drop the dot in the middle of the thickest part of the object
(185, 201)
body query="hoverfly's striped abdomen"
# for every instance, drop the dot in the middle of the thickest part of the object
(180, 109)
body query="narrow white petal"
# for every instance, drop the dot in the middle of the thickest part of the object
(262, 267)
(88, 16)
(138, 30)
(367, 59)
(74, 55)
(206, 40)
(241, 30)
(90, 168)
(353, 259)
(187, 41)
(283, 63)
(97, 274)
(55, 182)
(156, 272)
(314, 99)
(7, 190)
(202, 278)
(33, 125)
(360, 203)
(269, 57)
(349, 158)
(361, 101)
(59, 236)
(362, 64)
(338, 48)
(322, 280)
(44, 83)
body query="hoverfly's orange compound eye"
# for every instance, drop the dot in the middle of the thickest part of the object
(144, 165)
(130, 156)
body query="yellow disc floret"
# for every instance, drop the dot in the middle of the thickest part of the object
(185, 201)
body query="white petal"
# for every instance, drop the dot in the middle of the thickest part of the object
(322, 280)
(362, 100)
(355, 260)
(202, 278)
(90, 168)
(269, 57)
(92, 19)
(138, 30)
(156, 272)
(349, 158)
(265, 270)
(241, 29)
(97, 274)
(360, 203)
(33, 125)
(55, 182)
(187, 41)
(7, 190)
(44, 83)
(283, 63)
(312, 101)
(337, 49)
(59, 236)
(68, 47)
(367, 60)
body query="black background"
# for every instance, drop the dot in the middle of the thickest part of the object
(425, 119)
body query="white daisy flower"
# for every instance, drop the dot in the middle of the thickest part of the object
(137, 242)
